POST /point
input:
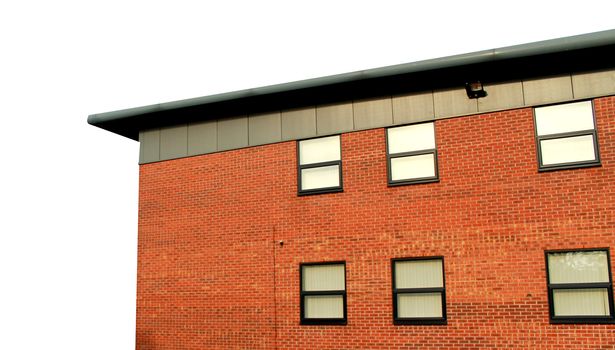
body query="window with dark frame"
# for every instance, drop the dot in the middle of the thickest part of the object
(411, 154)
(418, 291)
(566, 136)
(323, 293)
(580, 286)
(320, 165)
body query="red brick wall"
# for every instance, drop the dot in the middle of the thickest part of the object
(210, 275)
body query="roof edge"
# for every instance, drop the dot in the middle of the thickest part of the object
(582, 41)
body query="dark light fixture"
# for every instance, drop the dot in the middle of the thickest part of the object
(475, 90)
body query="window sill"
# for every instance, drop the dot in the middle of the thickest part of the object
(320, 191)
(569, 166)
(421, 321)
(582, 320)
(323, 322)
(413, 182)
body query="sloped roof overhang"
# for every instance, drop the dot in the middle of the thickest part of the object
(584, 52)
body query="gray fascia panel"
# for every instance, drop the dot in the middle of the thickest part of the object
(334, 118)
(264, 128)
(149, 146)
(298, 123)
(232, 133)
(202, 138)
(174, 142)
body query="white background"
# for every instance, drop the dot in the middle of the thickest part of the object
(68, 195)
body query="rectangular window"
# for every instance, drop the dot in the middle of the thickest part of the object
(323, 293)
(320, 165)
(566, 136)
(418, 291)
(411, 154)
(580, 287)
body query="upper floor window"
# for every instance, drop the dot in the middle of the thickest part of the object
(320, 165)
(566, 136)
(418, 291)
(580, 287)
(411, 154)
(323, 293)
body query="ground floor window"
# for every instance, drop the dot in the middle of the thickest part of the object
(323, 293)
(418, 291)
(580, 286)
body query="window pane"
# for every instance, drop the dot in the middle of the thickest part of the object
(581, 302)
(321, 177)
(413, 167)
(419, 305)
(564, 118)
(418, 274)
(567, 149)
(324, 306)
(411, 138)
(323, 277)
(319, 150)
(578, 267)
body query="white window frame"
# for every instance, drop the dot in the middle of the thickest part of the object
(301, 167)
(427, 151)
(563, 136)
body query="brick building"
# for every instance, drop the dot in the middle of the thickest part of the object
(461, 202)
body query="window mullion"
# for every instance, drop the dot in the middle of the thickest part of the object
(579, 285)
(413, 153)
(566, 134)
(419, 290)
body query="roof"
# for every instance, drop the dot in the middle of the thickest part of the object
(584, 52)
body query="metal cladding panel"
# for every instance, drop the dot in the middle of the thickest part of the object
(298, 123)
(334, 118)
(202, 138)
(232, 133)
(264, 128)
(413, 108)
(501, 96)
(547, 90)
(373, 113)
(453, 102)
(174, 142)
(593, 84)
(149, 142)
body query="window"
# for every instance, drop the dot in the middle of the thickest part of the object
(580, 288)
(323, 293)
(320, 165)
(418, 291)
(411, 154)
(566, 136)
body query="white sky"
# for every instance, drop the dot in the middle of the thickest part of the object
(68, 231)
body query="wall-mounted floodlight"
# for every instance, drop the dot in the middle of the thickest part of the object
(475, 90)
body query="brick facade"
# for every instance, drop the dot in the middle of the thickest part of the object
(212, 274)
